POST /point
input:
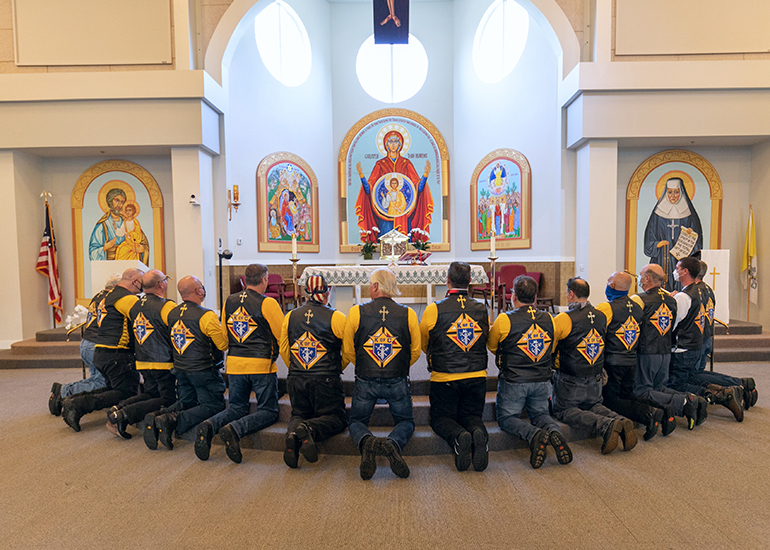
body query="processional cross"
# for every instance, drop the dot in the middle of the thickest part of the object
(714, 274)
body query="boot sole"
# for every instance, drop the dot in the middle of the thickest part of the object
(203, 437)
(232, 444)
(150, 434)
(563, 452)
(539, 450)
(480, 455)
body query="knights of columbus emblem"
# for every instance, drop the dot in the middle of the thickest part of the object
(534, 342)
(591, 346)
(710, 310)
(307, 350)
(464, 332)
(661, 319)
(101, 311)
(142, 328)
(240, 324)
(181, 337)
(382, 346)
(628, 333)
(700, 319)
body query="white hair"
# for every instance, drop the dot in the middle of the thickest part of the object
(112, 281)
(386, 280)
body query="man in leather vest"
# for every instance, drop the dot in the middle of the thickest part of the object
(251, 322)
(149, 323)
(95, 379)
(311, 346)
(454, 338)
(522, 341)
(197, 344)
(624, 318)
(114, 353)
(577, 390)
(382, 339)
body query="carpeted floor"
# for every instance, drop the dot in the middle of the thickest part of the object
(59, 489)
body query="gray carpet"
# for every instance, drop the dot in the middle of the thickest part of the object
(59, 489)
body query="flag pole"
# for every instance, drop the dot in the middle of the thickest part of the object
(45, 194)
(748, 293)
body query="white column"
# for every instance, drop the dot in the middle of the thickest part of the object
(603, 31)
(596, 214)
(194, 241)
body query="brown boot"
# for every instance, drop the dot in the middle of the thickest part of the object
(727, 397)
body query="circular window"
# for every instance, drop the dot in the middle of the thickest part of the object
(283, 43)
(500, 39)
(392, 73)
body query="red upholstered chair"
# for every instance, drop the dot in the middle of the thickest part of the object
(482, 290)
(276, 289)
(504, 280)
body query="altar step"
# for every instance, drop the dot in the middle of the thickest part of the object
(48, 350)
(745, 342)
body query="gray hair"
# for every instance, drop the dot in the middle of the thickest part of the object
(112, 281)
(386, 280)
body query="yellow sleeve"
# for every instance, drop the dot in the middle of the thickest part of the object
(210, 326)
(414, 332)
(223, 322)
(605, 308)
(428, 321)
(498, 332)
(273, 313)
(339, 322)
(348, 347)
(562, 326)
(283, 341)
(125, 304)
(638, 300)
(166, 309)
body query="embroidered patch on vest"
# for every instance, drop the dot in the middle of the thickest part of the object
(700, 318)
(661, 319)
(591, 346)
(142, 328)
(710, 310)
(464, 332)
(307, 350)
(240, 324)
(628, 333)
(382, 346)
(101, 311)
(534, 343)
(181, 337)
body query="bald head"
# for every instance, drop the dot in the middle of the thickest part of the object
(155, 282)
(191, 289)
(131, 280)
(651, 276)
(620, 280)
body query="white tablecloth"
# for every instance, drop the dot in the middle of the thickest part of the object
(352, 275)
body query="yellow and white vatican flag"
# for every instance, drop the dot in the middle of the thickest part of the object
(749, 263)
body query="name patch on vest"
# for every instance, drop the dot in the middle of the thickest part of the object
(181, 337)
(307, 350)
(240, 324)
(142, 328)
(628, 333)
(464, 332)
(534, 343)
(591, 346)
(382, 346)
(661, 319)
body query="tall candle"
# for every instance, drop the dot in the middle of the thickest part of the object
(293, 246)
(492, 246)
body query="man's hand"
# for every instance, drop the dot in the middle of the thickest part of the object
(109, 245)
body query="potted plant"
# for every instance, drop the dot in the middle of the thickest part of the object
(369, 242)
(419, 240)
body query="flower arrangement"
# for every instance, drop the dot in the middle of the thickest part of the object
(419, 239)
(370, 240)
(78, 316)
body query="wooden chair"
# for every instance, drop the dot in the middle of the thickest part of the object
(483, 290)
(505, 278)
(276, 288)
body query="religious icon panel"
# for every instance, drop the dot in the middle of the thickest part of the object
(501, 201)
(394, 174)
(673, 210)
(287, 204)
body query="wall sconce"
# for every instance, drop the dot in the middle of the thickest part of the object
(232, 202)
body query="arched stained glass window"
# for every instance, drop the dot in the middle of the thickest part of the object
(283, 43)
(500, 40)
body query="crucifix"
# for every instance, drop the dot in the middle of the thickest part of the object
(714, 274)
(591, 316)
(182, 310)
(144, 300)
(673, 225)
(308, 315)
(460, 299)
(532, 311)
(384, 313)
(243, 296)
(630, 306)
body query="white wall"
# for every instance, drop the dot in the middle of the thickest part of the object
(759, 197)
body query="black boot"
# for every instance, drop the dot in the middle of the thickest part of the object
(203, 436)
(54, 401)
(150, 433)
(307, 443)
(71, 413)
(232, 443)
(654, 419)
(166, 424)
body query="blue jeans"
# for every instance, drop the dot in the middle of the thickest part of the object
(578, 403)
(684, 365)
(201, 395)
(94, 382)
(513, 398)
(399, 397)
(650, 383)
(705, 351)
(704, 377)
(265, 387)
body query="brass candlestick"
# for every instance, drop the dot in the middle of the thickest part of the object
(492, 285)
(294, 279)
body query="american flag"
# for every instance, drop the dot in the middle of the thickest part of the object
(46, 265)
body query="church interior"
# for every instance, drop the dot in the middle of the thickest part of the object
(183, 94)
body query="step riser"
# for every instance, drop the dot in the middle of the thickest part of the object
(57, 335)
(737, 356)
(725, 342)
(381, 415)
(59, 350)
(22, 362)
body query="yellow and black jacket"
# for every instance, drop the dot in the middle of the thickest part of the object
(624, 318)
(91, 330)
(522, 341)
(251, 323)
(149, 322)
(657, 328)
(311, 340)
(197, 341)
(579, 336)
(113, 319)
(688, 334)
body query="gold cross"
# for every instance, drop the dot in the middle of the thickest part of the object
(460, 299)
(591, 316)
(243, 296)
(384, 313)
(182, 310)
(532, 312)
(662, 292)
(144, 300)
(308, 315)
(630, 306)
(714, 274)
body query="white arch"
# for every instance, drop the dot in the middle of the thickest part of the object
(229, 30)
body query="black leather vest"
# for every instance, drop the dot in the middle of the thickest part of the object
(151, 334)
(191, 349)
(313, 346)
(382, 341)
(91, 330)
(525, 354)
(689, 332)
(622, 338)
(581, 353)
(458, 342)
(709, 305)
(657, 331)
(114, 331)
(249, 333)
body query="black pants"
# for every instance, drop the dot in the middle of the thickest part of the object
(619, 396)
(457, 406)
(159, 391)
(319, 402)
(118, 369)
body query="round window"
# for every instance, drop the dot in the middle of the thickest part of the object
(392, 73)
